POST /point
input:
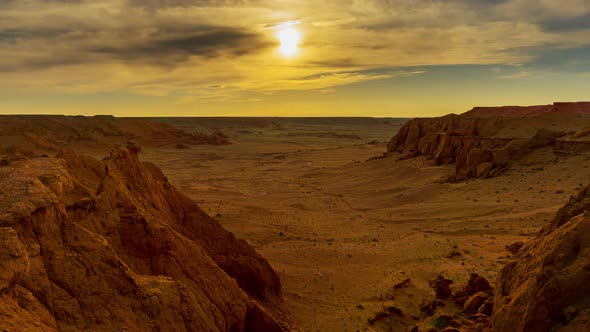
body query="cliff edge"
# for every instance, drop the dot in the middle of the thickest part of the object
(111, 246)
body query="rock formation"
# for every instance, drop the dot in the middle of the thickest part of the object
(546, 287)
(555, 108)
(441, 286)
(482, 145)
(111, 246)
(54, 132)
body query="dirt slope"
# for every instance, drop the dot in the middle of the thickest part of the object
(111, 246)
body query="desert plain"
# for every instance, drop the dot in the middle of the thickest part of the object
(342, 230)
(356, 216)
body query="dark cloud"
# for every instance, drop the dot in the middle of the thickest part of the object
(565, 25)
(167, 46)
(564, 59)
(552, 57)
(13, 35)
(34, 3)
(158, 4)
(449, 13)
(7, 3)
(333, 63)
(77, 34)
(210, 42)
(146, 4)
(478, 5)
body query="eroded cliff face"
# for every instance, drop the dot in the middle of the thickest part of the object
(547, 287)
(111, 246)
(51, 133)
(555, 108)
(484, 146)
(465, 141)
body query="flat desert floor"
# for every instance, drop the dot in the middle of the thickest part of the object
(343, 230)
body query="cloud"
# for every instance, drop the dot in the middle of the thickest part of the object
(155, 4)
(41, 44)
(581, 22)
(537, 10)
(281, 25)
(334, 23)
(323, 81)
(517, 75)
(177, 47)
(168, 49)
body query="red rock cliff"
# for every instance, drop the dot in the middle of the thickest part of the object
(466, 141)
(555, 108)
(111, 246)
(482, 145)
(547, 286)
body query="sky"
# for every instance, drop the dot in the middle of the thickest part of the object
(382, 58)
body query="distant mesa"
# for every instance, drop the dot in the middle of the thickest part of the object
(50, 133)
(555, 108)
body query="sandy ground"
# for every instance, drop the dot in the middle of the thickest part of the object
(341, 231)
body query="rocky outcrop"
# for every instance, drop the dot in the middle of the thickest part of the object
(475, 302)
(111, 246)
(441, 287)
(466, 141)
(482, 146)
(470, 306)
(546, 287)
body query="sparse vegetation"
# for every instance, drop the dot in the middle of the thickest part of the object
(439, 323)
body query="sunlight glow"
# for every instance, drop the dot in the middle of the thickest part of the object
(289, 39)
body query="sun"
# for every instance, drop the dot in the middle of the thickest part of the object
(289, 39)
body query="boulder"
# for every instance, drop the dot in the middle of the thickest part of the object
(484, 169)
(486, 308)
(441, 286)
(460, 297)
(514, 247)
(428, 308)
(477, 284)
(473, 304)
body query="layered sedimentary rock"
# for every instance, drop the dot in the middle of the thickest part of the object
(54, 132)
(111, 246)
(484, 145)
(547, 288)
(555, 108)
